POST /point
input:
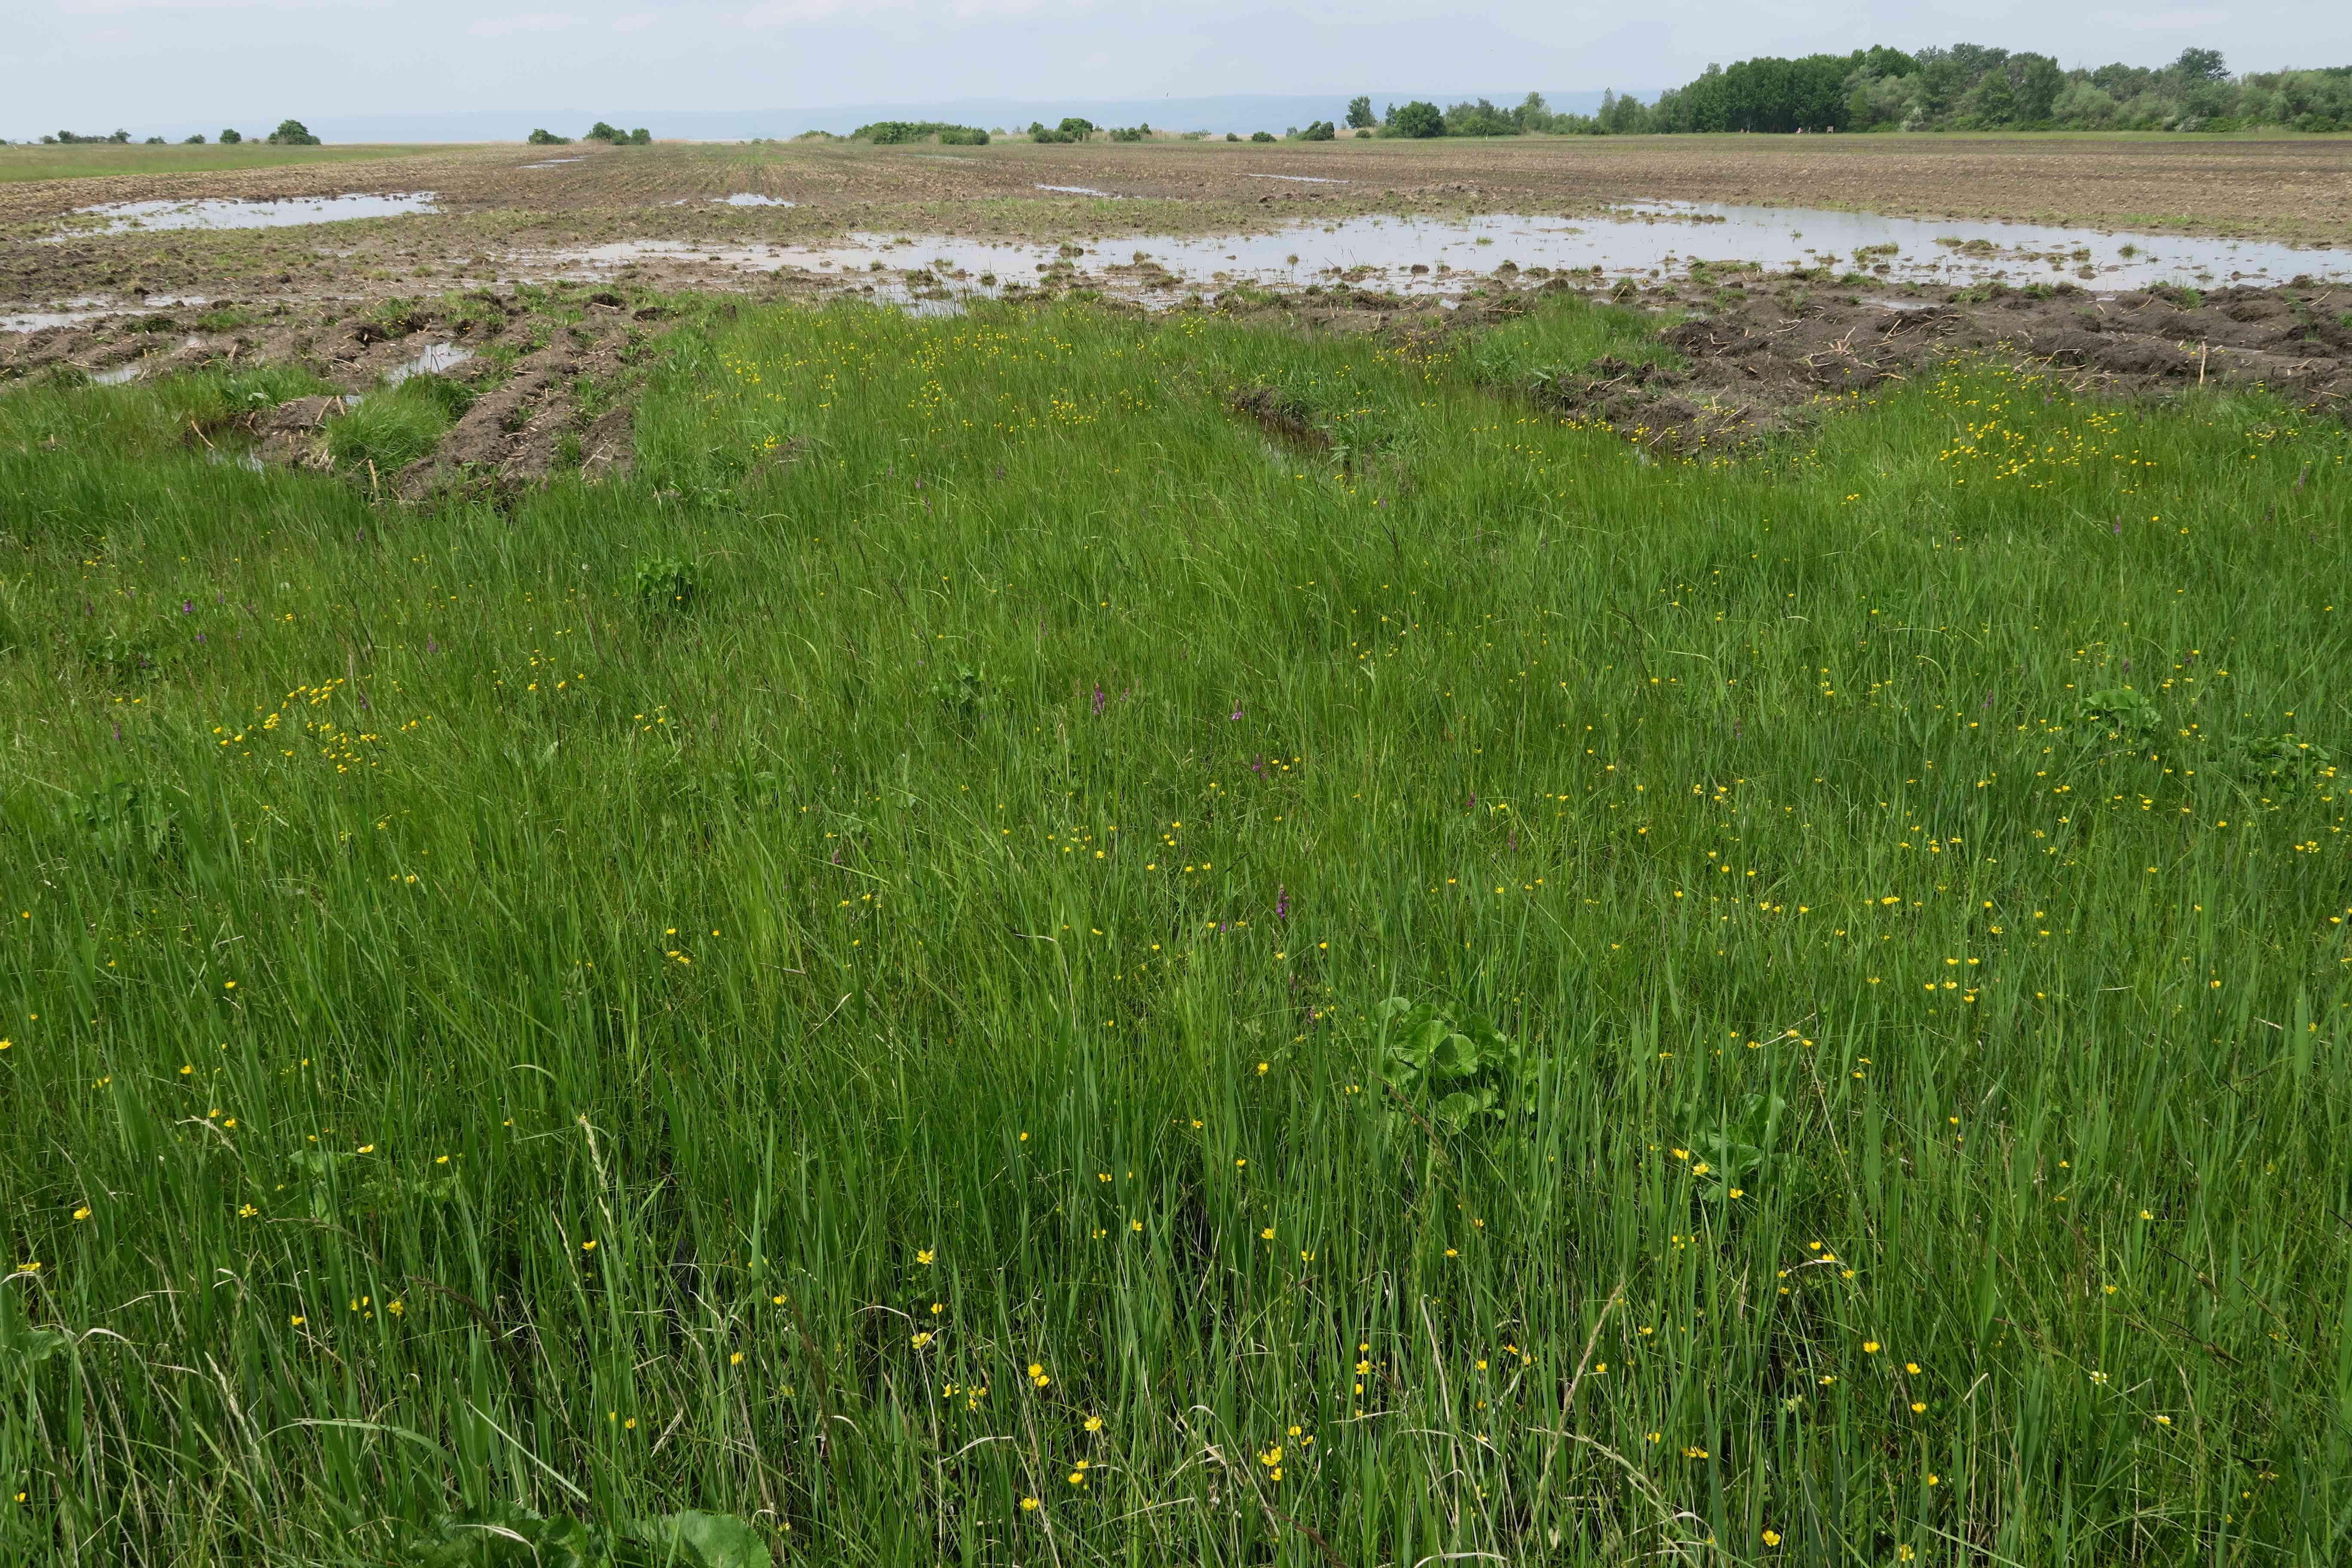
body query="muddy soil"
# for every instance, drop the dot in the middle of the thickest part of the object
(548, 376)
(1757, 361)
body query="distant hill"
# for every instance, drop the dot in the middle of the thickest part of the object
(1242, 112)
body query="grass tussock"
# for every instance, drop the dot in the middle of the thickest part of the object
(855, 995)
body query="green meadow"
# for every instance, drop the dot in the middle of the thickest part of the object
(33, 161)
(996, 960)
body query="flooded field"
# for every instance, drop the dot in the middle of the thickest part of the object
(1437, 257)
(219, 213)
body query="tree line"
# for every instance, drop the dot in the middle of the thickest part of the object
(1966, 87)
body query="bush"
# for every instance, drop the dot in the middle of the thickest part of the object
(1261, 135)
(1132, 134)
(1417, 120)
(539, 137)
(292, 133)
(641, 137)
(611, 135)
(230, 138)
(893, 133)
(1321, 131)
(1364, 131)
(195, 141)
(1231, 137)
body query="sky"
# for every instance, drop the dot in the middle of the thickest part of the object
(165, 64)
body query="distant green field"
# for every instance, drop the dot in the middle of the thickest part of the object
(45, 163)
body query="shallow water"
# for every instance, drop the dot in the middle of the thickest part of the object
(748, 199)
(1425, 256)
(1302, 179)
(555, 162)
(224, 212)
(118, 375)
(434, 359)
(1083, 191)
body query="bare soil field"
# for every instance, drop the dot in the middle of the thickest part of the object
(497, 202)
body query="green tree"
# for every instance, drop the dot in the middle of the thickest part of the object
(195, 141)
(2201, 65)
(1360, 113)
(230, 138)
(1417, 120)
(292, 133)
(1992, 102)
(2039, 82)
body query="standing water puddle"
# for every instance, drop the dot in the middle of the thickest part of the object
(122, 217)
(1302, 179)
(433, 361)
(1083, 190)
(746, 199)
(1426, 256)
(120, 376)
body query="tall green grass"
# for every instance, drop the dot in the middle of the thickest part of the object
(887, 1044)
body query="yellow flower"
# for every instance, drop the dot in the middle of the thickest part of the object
(297, 1320)
(82, 1212)
(1918, 1408)
(1912, 1367)
(921, 1340)
(589, 1245)
(1028, 1505)
(1266, 1235)
(1771, 1538)
(1870, 1347)
(736, 1359)
(923, 1256)
(1094, 1423)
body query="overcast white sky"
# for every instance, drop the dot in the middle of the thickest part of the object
(90, 65)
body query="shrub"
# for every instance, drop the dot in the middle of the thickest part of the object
(539, 137)
(1364, 131)
(608, 134)
(154, 141)
(1231, 137)
(1321, 131)
(892, 132)
(230, 138)
(1132, 134)
(1261, 135)
(641, 137)
(195, 141)
(1417, 120)
(292, 133)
